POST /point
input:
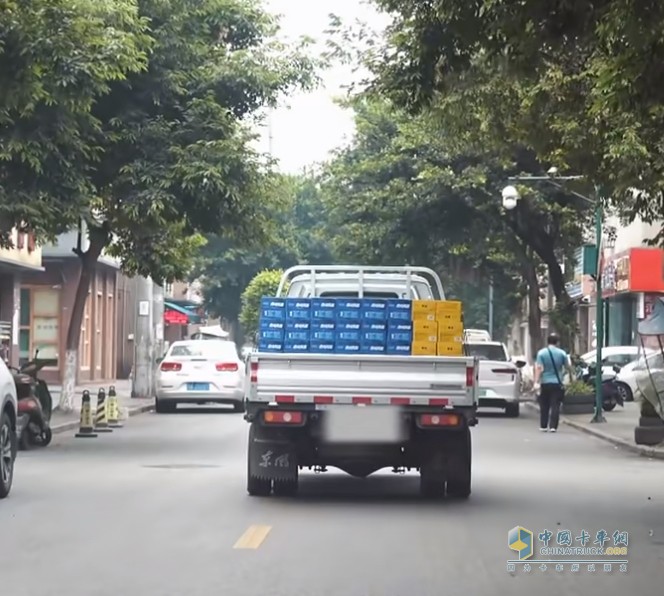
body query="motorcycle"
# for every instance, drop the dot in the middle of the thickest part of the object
(35, 404)
(611, 395)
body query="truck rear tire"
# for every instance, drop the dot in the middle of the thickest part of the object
(459, 466)
(432, 476)
(285, 488)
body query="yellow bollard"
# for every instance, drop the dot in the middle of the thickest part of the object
(113, 409)
(86, 430)
(101, 419)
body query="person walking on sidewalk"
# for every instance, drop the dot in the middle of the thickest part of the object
(549, 367)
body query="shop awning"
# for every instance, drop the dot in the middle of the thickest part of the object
(175, 314)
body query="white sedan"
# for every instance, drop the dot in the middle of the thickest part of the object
(200, 372)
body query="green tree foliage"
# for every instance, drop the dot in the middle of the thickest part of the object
(57, 58)
(297, 236)
(573, 81)
(167, 153)
(264, 283)
(407, 192)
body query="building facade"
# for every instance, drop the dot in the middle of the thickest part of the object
(23, 259)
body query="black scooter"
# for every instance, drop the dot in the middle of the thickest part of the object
(611, 395)
(35, 404)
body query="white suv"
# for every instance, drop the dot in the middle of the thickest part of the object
(7, 429)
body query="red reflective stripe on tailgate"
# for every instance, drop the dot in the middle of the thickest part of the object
(470, 377)
(323, 399)
(254, 372)
(362, 400)
(439, 401)
(284, 399)
(400, 401)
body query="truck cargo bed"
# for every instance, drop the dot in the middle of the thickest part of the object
(362, 379)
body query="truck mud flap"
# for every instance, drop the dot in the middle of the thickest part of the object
(271, 458)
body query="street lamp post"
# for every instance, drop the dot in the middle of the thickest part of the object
(510, 199)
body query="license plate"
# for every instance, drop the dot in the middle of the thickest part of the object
(198, 386)
(363, 424)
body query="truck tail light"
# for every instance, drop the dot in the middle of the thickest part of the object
(226, 366)
(276, 417)
(440, 420)
(254, 372)
(170, 366)
(470, 376)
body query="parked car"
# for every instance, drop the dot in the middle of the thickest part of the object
(626, 357)
(8, 438)
(476, 335)
(632, 376)
(499, 377)
(200, 372)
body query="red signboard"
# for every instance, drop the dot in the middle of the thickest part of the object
(173, 317)
(635, 270)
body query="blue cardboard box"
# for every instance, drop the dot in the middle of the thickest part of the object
(372, 337)
(271, 335)
(272, 324)
(374, 326)
(273, 309)
(296, 347)
(344, 347)
(297, 325)
(397, 335)
(371, 348)
(348, 335)
(324, 332)
(297, 335)
(298, 309)
(270, 346)
(322, 347)
(324, 309)
(399, 310)
(348, 309)
(399, 349)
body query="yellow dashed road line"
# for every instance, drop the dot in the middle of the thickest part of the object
(253, 537)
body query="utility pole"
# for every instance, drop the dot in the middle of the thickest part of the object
(491, 308)
(158, 326)
(143, 339)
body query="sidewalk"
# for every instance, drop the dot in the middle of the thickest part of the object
(62, 422)
(617, 430)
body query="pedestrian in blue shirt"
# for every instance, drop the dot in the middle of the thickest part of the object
(549, 370)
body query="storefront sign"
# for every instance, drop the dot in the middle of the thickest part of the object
(173, 317)
(633, 271)
(622, 274)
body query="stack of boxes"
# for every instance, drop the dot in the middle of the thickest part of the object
(437, 328)
(361, 326)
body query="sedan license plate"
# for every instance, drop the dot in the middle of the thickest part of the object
(363, 424)
(198, 386)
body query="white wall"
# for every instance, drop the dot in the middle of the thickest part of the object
(633, 235)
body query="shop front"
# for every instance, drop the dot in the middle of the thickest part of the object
(631, 282)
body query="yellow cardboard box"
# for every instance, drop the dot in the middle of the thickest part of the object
(448, 348)
(449, 338)
(425, 326)
(454, 328)
(453, 308)
(424, 348)
(424, 310)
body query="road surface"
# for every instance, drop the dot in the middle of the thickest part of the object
(159, 508)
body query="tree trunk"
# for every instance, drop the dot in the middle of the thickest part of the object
(88, 259)
(534, 311)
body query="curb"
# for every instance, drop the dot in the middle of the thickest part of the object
(642, 450)
(73, 425)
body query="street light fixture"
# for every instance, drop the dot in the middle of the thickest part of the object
(510, 199)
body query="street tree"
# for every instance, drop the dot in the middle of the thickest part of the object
(406, 191)
(575, 82)
(263, 284)
(57, 58)
(172, 141)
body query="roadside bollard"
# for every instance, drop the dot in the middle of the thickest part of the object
(86, 430)
(113, 409)
(101, 425)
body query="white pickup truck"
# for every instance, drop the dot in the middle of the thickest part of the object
(360, 413)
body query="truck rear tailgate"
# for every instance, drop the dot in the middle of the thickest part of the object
(358, 379)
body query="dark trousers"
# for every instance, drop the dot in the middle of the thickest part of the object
(551, 396)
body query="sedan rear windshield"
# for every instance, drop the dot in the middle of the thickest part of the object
(205, 349)
(487, 352)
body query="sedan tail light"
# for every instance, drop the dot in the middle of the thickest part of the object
(170, 366)
(227, 366)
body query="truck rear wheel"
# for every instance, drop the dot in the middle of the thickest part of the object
(432, 476)
(257, 486)
(459, 465)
